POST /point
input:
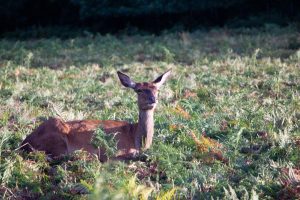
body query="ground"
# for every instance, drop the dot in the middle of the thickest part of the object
(226, 127)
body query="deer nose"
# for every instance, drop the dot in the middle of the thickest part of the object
(152, 99)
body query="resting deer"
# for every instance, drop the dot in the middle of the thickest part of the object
(57, 137)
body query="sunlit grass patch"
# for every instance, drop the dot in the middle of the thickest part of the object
(238, 90)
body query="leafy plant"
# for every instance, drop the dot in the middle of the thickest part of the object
(107, 141)
(226, 124)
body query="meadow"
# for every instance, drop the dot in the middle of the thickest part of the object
(226, 125)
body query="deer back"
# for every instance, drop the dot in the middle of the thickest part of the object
(56, 137)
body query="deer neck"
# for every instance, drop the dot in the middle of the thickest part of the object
(145, 129)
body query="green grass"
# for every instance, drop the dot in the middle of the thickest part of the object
(239, 87)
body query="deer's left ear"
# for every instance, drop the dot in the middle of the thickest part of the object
(161, 79)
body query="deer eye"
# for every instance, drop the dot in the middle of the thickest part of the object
(139, 90)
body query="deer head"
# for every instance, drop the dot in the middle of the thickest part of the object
(147, 92)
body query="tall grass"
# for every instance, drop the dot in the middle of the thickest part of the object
(237, 91)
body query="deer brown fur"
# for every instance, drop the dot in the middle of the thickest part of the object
(57, 137)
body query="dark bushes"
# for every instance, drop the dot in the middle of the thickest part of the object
(150, 15)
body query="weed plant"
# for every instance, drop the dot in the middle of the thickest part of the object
(233, 94)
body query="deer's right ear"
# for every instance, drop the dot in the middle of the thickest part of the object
(126, 81)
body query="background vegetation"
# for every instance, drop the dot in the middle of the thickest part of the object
(226, 127)
(227, 124)
(144, 15)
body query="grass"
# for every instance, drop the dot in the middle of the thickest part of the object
(226, 127)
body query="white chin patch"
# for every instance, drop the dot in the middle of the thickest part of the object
(148, 106)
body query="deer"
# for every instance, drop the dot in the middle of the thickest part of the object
(57, 138)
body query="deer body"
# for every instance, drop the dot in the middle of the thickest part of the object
(57, 137)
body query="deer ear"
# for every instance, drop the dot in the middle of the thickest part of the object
(126, 81)
(161, 79)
